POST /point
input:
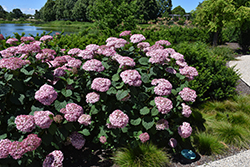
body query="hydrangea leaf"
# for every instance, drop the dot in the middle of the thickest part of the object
(147, 122)
(143, 61)
(144, 111)
(85, 132)
(121, 94)
(135, 122)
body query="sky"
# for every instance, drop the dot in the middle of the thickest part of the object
(29, 6)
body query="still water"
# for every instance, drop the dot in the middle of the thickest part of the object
(9, 29)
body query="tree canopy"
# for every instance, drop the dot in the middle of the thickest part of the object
(179, 10)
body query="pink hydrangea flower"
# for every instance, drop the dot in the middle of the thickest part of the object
(125, 61)
(54, 159)
(163, 42)
(118, 43)
(46, 37)
(28, 48)
(9, 52)
(103, 139)
(92, 47)
(111, 39)
(46, 94)
(16, 150)
(188, 94)
(85, 119)
(125, 33)
(24, 39)
(163, 104)
(72, 112)
(74, 63)
(181, 64)
(185, 130)
(131, 77)
(136, 38)
(13, 63)
(189, 72)
(144, 137)
(31, 142)
(163, 87)
(171, 70)
(101, 84)
(118, 119)
(186, 110)
(77, 140)
(162, 124)
(4, 148)
(108, 52)
(177, 56)
(86, 54)
(60, 71)
(158, 56)
(170, 51)
(42, 119)
(25, 123)
(93, 65)
(143, 45)
(153, 47)
(172, 142)
(12, 41)
(92, 97)
(74, 51)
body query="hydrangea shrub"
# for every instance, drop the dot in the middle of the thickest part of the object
(123, 92)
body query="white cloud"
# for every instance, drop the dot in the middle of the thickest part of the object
(5, 8)
(28, 10)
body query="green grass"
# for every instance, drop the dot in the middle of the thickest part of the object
(145, 155)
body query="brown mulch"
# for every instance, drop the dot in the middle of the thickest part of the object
(96, 157)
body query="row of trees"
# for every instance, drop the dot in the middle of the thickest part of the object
(14, 14)
(85, 10)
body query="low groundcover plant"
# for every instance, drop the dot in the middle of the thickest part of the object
(123, 92)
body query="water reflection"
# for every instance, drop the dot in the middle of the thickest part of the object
(10, 29)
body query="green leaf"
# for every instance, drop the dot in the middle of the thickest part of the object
(154, 111)
(3, 136)
(121, 94)
(147, 122)
(125, 130)
(59, 105)
(61, 134)
(28, 70)
(34, 108)
(70, 81)
(85, 132)
(93, 110)
(143, 96)
(17, 98)
(67, 92)
(143, 61)
(52, 129)
(4, 90)
(144, 111)
(120, 86)
(8, 77)
(115, 77)
(131, 48)
(55, 145)
(111, 90)
(135, 122)
(152, 103)
(145, 78)
(174, 92)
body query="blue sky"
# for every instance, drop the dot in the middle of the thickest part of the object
(29, 6)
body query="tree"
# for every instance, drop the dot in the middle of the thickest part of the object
(48, 13)
(59, 9)
(3, 13)
(164, 7)
(178, 10)
(37, 14)
(148, 9)
(17, 13)
(80, 9)
(214, 14)
(68, 7)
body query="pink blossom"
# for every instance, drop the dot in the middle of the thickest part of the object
(125, 61)
(92, 47)
(42, 119)
(4, 148)
(118, 43)
(28, 48)
(103, 139)
(144, 137)
(74, 63)
(46, 94)
(170, 51)
(111, 39)
(1, 37)
(31, 142)
(185, 130)
(125, 33)
(172, 142)
(85, 119)
(46, 37)
(162, 124)
(143, 45)
(60, 71)
(86, 54)
(177, 57)
(181, 63)
(16, 150)
(131, 77)
(108, 52)
(24, 39)
(58, 118)
(74, 51)
(12, 41)
(9, 52)
(93, 65)
(118, 119)
(38, 43)
(163, 88)
(188, 94)
(189, 72)
(25, 123)
(159, 56)
(72, 112)
(136, 38)
(54, 159)
(163, 42)
(153, 47)
(163, 104)
(171, 70)
(92, 97)
(186, 110)
(77, 140)
(13, 63)
(101, 84)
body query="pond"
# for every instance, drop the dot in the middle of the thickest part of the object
(9, 29)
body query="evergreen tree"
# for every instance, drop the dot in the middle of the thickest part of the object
(48, 12)
(165, 7)
(148, 9)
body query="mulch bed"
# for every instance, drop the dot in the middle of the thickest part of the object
(94, 156)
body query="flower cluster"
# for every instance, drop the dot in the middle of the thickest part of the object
(72, 112)
(172, 142)
(4, 148)
(9, 52)
(42, 119)
(25, 123)
(163, 88)
(77, 140)
(74, 51)
(158, 56)
(86, 54)
(31, 142)
(101, 84)
(125, 61)
(125, 33)
(103, 139)
(93, 65)
(186, 110)
(144, 137)
(185, 130)
(25, 39)
(136, 38)
(13, 63)
(118, 119)
(143, 45)
(85, 119)
(162, 42)
(54, 159)
(12, 41)
(162, 124)
(188, 94)
(163, 104)
(131, 77)
(92, 97)
(46, 94)
(46, 38)
(189, 72)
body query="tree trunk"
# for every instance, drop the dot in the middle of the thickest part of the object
(215, 38)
